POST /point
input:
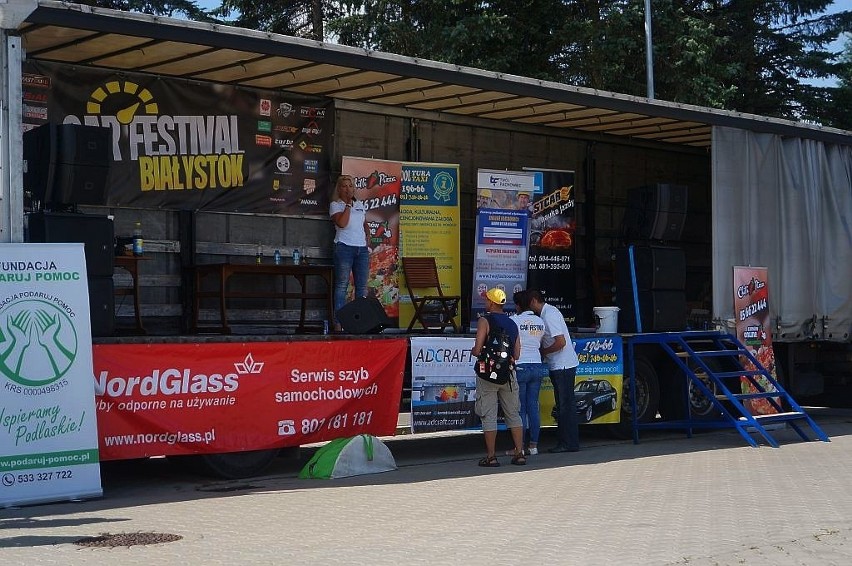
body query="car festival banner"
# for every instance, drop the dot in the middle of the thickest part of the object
(412, 207)
(167, 399)
(754, 331)
(443, 384)
(48, 429)
(188, 145)
(552, 243)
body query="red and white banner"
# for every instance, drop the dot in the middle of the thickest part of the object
(168, 399)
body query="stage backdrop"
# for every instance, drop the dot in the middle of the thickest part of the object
(180, 144)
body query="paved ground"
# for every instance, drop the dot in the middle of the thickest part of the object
(670, 500)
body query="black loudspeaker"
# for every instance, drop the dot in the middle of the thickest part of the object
(657, 267)
(655, 212)
(95, 232)
(102, 306)
(660, 282)
(363, 316)
(67, 164)
(661, 311)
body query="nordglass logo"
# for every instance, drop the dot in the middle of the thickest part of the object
(248, 365)
(38, 342)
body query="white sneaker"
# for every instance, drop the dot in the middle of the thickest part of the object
(532, 451)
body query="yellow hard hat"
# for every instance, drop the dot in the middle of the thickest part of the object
(496, 295)
(485, 193)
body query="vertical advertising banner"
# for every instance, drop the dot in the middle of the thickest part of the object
(502, 234)
(167, 399)
(552, 255)
(377, 184)
(443, 384)
(180, 144)
(429, 225)
(751, 307)
(48, 429)
(598, 389)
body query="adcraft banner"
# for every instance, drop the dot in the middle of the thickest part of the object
(179, 144)
(48, 433)
(443, 384)
(167, 399)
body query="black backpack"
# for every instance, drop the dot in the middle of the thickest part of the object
(495, 362)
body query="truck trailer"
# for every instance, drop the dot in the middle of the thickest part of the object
(760, 191)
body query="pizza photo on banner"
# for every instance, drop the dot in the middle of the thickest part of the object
(377, 184)
(754, 331)
(186, 145)
(170, 399)
(552, 255)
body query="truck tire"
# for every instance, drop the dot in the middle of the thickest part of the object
(647, 398)
(233, 465)
(676, 385)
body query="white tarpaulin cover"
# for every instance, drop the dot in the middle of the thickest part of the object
(786, 204)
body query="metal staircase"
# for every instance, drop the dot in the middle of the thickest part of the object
(718, 358)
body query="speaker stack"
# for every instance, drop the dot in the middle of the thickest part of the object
(67, 164)
(660, 282)
(655, 212)
(365, 315)
(96, 233)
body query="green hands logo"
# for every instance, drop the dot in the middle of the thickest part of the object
(38, 342)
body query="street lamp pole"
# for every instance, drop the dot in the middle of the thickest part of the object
(649, 50)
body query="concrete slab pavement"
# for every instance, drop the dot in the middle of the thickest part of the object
(669, 500)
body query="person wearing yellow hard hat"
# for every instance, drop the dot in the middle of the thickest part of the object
(484, 198)
(490, 395)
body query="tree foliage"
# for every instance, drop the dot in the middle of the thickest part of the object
(755, 56)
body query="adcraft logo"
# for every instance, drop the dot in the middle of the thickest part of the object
(38, 342)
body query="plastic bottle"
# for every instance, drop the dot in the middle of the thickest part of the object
(297, 257)
(277, 257)
(138, 242)
(258, 257)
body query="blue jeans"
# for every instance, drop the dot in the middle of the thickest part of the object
(567, 431)
(350, 260)
(529, 386)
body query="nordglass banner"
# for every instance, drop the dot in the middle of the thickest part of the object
(48, 428)
(170, 399)
(186, 145)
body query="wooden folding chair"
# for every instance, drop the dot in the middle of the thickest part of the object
(432, 311)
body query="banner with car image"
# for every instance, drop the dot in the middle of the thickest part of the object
(48, 428)
(190, 145)
(598, 389)
(443, 384)
(552, 267)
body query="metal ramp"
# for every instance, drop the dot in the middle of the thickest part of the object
(718, 358)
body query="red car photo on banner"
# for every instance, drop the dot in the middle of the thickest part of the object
(170, 399)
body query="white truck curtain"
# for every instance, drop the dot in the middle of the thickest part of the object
(786, 204)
